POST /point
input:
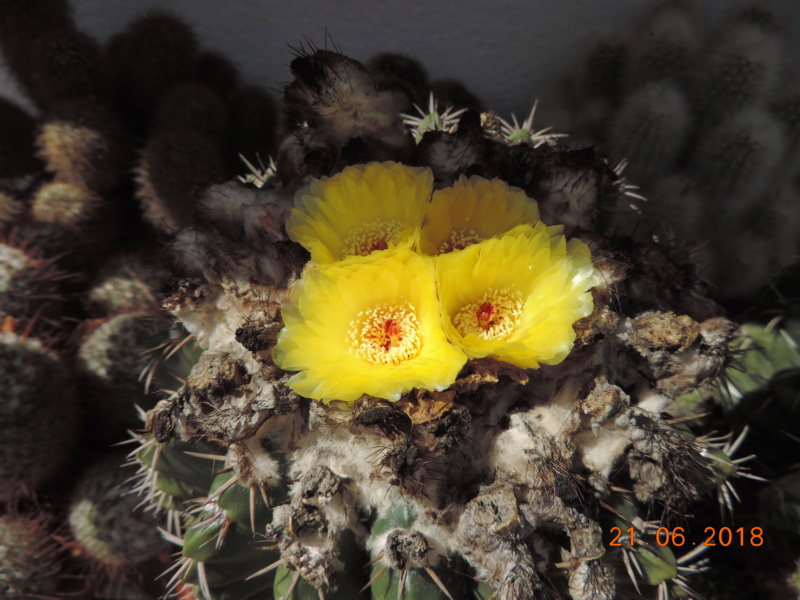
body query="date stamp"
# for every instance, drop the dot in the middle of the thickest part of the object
(751, 537)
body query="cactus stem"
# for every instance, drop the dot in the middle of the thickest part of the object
(177, 347)
(180, 566)
(169, 348)
(292, 585)
(684, 568)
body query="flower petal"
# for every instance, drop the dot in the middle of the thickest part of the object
(367, 325)
(363, 209)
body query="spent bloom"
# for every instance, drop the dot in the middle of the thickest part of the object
(364, 208)
(471, 211)
(516, 297)
(367, 325)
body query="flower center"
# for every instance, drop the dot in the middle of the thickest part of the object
(386, 334)
(372, 236)
(493, 317)
(459, 240)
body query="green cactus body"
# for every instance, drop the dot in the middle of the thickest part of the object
(168, 469)
(766, 350)
(221, 557)
(242, 505)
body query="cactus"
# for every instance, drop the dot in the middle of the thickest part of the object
(453, 491)
(64, 204)
(715, 115)
(29, 556)
(126, 284)
(172, 167)
(651, 125)
(112, 362)
(31, 286)
(445, 380)
(84, 143)
(10, 208)
(38, 415)
(105, 521)
(149, 57)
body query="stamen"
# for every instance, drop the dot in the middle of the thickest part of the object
(493, 317)
(372, 236)
(386, 334)
(459, 240)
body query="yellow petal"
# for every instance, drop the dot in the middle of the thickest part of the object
(517, 296)
(473, 210)
(367, 325)
(363, 209)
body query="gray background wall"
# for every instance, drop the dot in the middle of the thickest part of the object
(508, 53)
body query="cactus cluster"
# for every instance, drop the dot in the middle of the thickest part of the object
(91, 187)
(506, 482)
(705, 118)
(143, 287)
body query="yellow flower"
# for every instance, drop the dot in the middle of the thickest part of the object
(471, 211)
(364, 208)
(367, 325)
(516, 297)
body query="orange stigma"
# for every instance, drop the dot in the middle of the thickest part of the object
(486, 313)
(393, 332)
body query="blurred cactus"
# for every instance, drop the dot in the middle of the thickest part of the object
(716, 115)
(38, 416)
(29, 557)
(105, 521)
